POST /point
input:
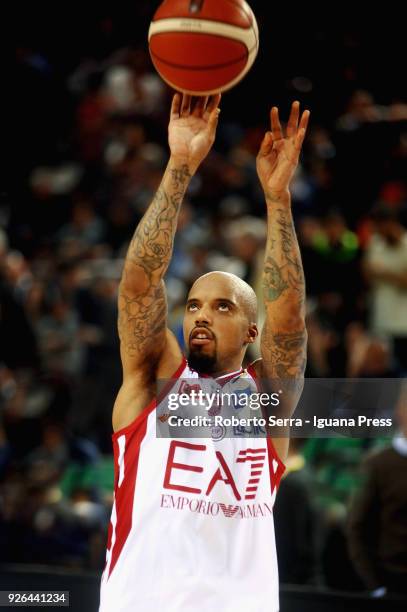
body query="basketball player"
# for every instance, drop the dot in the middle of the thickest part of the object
(192, 525)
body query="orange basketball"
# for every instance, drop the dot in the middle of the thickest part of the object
(203, 47)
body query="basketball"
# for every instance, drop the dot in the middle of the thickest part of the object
(202, 47)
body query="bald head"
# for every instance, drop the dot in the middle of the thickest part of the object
(230, 284)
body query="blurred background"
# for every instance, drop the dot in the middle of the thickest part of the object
(91, 136)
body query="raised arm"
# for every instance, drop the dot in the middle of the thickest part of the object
(142, 303)
(284, 336)
(142, 322)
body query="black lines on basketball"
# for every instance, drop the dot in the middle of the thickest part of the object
(209, 67)
(203, 46)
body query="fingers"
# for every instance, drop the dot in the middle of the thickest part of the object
(213, 102)
(292, 124)
(213, 110)
(204, 105)
(181, 104)
(175, 106)
(275, 124)
(299, 139)
(213, 119)
(185, 105)
(200, 106)
(304, 120)
(293, 129)
(267, 144)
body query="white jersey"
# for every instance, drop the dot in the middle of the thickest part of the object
(192, 520)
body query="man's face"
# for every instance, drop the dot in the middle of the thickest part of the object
(216, 328)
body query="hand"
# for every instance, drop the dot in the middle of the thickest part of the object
(278, 155)
(191, 133)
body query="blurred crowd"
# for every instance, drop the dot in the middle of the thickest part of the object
(62, 244)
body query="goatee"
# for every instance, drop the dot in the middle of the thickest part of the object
(201, 363)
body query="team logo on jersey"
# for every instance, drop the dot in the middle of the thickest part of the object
(218, 432)
(253, 458)
(201, 502)
(188, 388)
(216, 407)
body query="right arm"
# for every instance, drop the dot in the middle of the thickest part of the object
(146, 345)
(142, 302)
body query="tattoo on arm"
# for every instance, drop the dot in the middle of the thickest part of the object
(274, 283)
(141, 319)
(284, 354)
(283, 268)
(284, 336)
(152, 243)
(142, 301)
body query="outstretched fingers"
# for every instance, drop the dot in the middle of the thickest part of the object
(304, 120)
(200, 106)
(212, 112)
(299, 139)
(292, 124)
(275, 124)
(213, 103)
(186, 105)
(175, 105)
(266, 145)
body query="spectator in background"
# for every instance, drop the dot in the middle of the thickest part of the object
(295, 521)
(377, 522)
(58, 338)
(367, 355)
(46, 463)
(85, 226)
(15, 330)
(337, 251)
(101, 374)
(326, 352)
(361, 109)
(385, 268)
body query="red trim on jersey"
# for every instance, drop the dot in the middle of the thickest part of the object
(272, 453)
(275, 477)
(252, 371)
(221, 380)
(153, 404)
(124, 495)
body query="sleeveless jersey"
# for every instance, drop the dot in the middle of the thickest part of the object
(192, 526)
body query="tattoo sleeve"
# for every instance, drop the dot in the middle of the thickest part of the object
(142, 301)
(284, 336)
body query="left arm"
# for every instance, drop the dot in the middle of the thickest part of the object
(284, 335)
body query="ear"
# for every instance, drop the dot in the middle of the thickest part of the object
(252, 333)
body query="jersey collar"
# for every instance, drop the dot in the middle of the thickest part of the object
(222, 380)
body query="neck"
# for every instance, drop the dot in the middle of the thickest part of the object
(218, 373)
